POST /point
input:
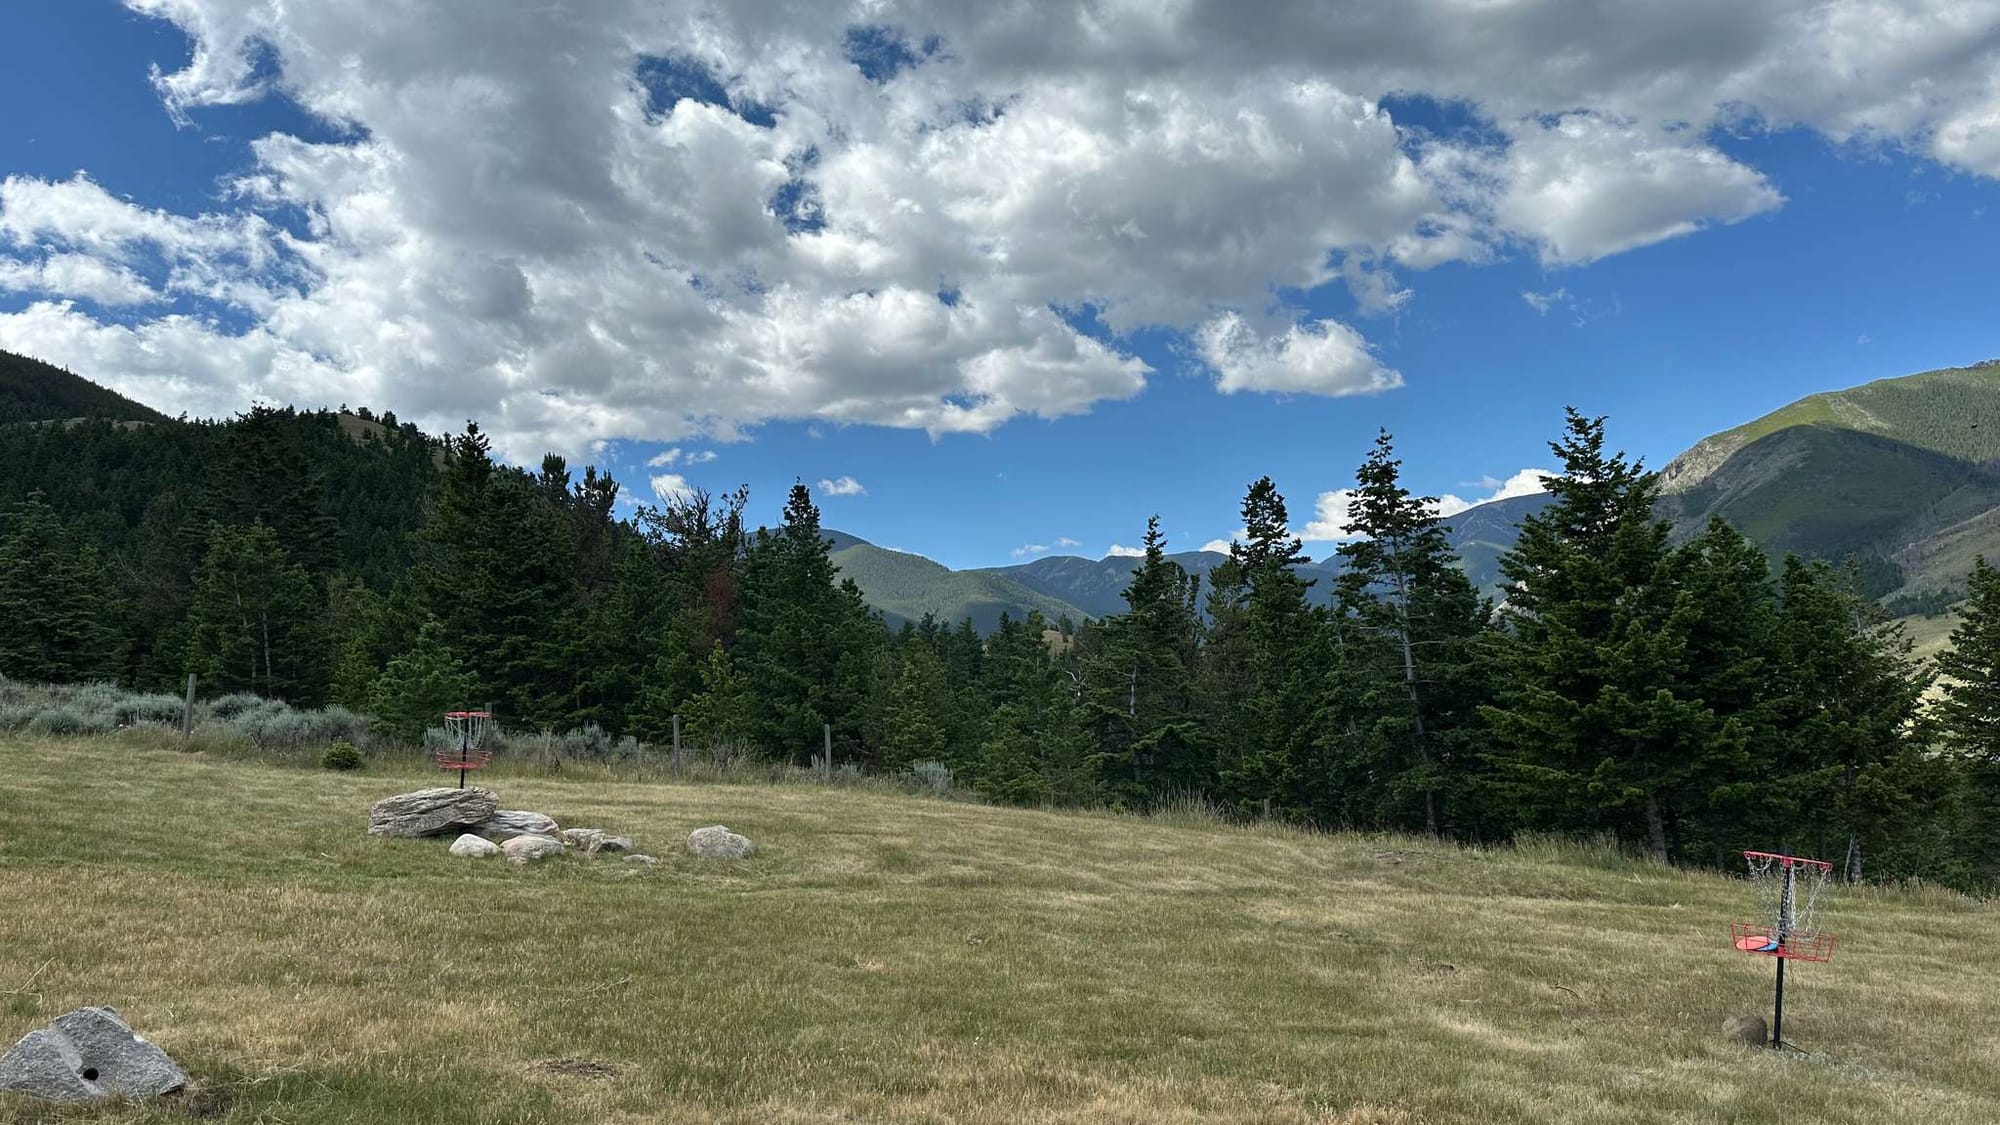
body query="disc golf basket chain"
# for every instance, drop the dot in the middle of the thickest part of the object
(1790, 890)
(465, 737)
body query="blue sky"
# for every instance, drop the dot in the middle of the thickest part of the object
(822, 264)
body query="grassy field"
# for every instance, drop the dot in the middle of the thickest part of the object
(894, 958)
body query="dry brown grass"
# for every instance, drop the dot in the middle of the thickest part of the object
(889, 958)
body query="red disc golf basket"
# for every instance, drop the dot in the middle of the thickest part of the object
(1789, 891)
(465, 749)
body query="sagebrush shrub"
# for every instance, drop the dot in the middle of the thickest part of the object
(236, 703)
(935, 776)
(132, 710)
(66, 720)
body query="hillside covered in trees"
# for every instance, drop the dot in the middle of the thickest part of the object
(1684, 694)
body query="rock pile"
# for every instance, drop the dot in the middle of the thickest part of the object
(88, 1055)
(484, 829)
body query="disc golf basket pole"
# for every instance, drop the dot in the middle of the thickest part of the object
(1790, 934)
(465, 742)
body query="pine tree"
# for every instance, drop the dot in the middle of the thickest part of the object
(1407, 600)
(1586, 733)
(495, 566)
(418, 687)
(257, 622)
(805, 641)
(721, 714)
(1969, 715)
(1280, 633)
(1139, 668)
(919, 714)
(59, 612)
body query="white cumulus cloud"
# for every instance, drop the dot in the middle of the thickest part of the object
(671, 487)
(842, 486)
(1325, 357)
(1120, 551)
(520, 214)
(1330, 516)
(1526, 482)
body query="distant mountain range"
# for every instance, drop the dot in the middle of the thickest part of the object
(906, 586)
(1901, 475)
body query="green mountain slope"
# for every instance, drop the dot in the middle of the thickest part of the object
(1901, 474)
(906, 586)
(33, 391)
(1954, 411)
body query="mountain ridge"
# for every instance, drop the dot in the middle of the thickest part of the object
(33, 391)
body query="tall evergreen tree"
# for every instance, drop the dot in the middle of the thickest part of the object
(1415, 620)
(805, 639)
(1152, 740)
(59, 612)
(495, 568)
(257, 622)
(1969, 715)
(919, 714)
(1848, 691)
(1585, 733)
(1263, 600)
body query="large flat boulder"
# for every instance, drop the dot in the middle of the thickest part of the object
(506, 824)
(88, 1055)
(432, 812)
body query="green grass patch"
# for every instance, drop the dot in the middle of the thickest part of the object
(898, 958)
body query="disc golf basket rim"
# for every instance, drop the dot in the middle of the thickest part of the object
(467, 729)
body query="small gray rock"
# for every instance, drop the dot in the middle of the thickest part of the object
(432, 812)
(718, 842)
(590, 841)
(87, 1055)
(640, 860)
(1748, 1029)
(528, 849)
(509, 823)
(474, 847)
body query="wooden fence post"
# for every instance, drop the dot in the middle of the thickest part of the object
(674, 762)
(826, 763)
(187, 710)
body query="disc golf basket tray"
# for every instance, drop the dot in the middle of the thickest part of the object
(465, 732)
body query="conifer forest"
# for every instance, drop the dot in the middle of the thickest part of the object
(1683, 694)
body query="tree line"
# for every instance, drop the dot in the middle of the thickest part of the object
(1689, 698)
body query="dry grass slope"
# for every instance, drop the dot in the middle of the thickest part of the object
(891, 958)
